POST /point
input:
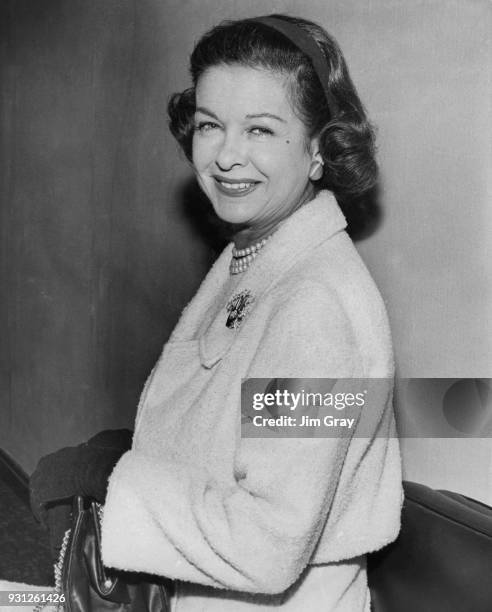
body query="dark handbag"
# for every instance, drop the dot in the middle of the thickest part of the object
(442, 558)
(87, 586)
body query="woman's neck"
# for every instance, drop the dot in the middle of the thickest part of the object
(248, 235)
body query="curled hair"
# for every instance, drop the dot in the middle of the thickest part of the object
(346, 141)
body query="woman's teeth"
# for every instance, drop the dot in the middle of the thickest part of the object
(236, 189)
(234, 186)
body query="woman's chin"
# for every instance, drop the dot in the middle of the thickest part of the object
(233, 211)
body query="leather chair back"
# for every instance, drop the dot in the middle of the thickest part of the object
(442, 559)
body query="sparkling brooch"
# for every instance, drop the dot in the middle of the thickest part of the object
(238, 307)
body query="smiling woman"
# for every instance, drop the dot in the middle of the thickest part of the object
(277, 138)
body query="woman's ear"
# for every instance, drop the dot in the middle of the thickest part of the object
(316, 169)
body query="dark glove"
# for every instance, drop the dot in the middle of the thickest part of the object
(79, 470)
(84, 470)
(117, 439)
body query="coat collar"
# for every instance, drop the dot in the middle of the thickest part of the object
(303, 231)
(315, 222)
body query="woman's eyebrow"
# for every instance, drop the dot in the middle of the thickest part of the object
(205, 111)
(267, 115)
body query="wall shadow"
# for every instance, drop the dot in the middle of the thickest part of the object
(364, 214)
(199, 214)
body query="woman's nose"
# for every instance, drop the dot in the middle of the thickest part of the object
(231, 152)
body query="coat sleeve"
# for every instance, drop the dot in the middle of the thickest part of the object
(257, 531)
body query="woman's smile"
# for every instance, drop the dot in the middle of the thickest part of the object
(235, 187)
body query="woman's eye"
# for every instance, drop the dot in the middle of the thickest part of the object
(205, 126)
(260, 131)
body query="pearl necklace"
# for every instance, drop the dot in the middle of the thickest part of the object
(242, 258)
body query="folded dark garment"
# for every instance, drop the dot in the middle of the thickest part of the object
(79, 470)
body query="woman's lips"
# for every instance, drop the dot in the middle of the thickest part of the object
(235, 189)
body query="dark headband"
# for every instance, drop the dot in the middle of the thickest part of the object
(305, 43)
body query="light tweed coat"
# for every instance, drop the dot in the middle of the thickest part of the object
(255, 524)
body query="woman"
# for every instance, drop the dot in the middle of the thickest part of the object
(276, 134)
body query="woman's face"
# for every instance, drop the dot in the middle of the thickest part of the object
(251, 153)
